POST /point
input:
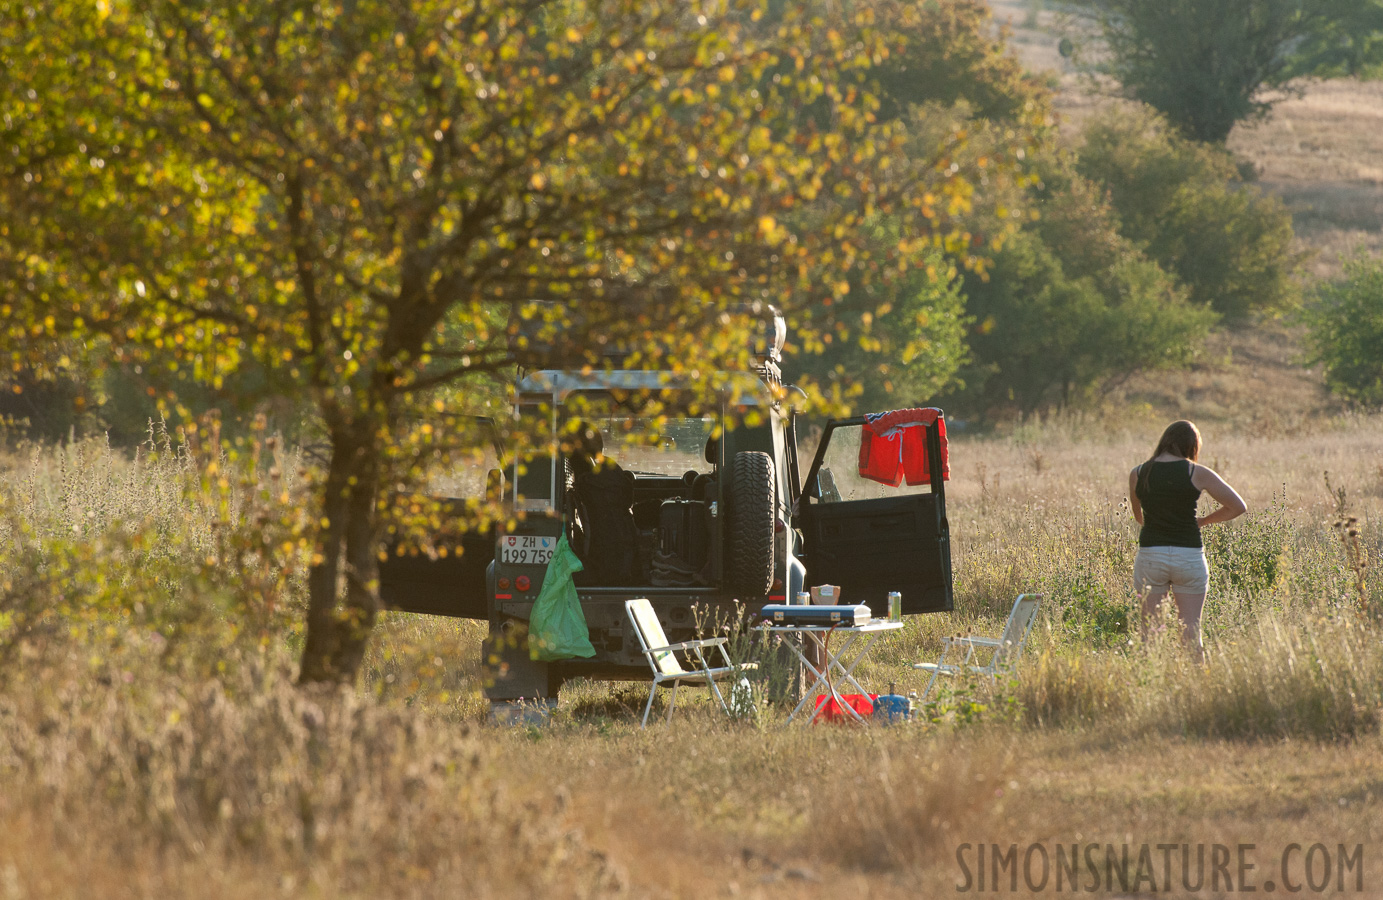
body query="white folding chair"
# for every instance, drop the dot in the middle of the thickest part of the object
(662, 657)
(1005, 649)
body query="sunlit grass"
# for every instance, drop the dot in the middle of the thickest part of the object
(147, 704)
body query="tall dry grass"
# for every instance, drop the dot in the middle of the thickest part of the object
(1315, 679)
(152, 742)
(1044, 510)
(329, 790)
(150, 726)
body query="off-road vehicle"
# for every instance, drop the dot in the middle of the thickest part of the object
(703, 514)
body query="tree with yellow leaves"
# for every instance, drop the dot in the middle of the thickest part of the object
(361, 198)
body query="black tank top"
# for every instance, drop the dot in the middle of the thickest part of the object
(1169, 505)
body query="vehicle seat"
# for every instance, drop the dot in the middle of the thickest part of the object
(701, 484)
(607, 498)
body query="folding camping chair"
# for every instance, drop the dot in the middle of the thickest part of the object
(1005, 649)
(662, 657)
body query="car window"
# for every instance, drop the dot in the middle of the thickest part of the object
(471, 462)
(840, 478)
(668, 444)
(467, 475)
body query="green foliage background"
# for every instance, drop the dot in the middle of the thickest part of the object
(1345, 323)
(1203, 63)
(1071, 304)
(1185, 206)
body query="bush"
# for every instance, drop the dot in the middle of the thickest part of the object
(956, 54)
(1248, 557)
(1184, 205)
(1070, 305)
(1346, 331)
(1091, 613)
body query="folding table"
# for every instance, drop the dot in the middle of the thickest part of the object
(855, 644)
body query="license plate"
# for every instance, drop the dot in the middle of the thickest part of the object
(526, 550)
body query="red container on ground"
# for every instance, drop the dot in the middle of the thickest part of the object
(829, 710)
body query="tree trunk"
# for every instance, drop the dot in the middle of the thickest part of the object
(341, 611)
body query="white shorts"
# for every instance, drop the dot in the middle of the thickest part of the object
(1183, 569)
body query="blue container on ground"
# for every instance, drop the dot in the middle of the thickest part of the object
(891, 708)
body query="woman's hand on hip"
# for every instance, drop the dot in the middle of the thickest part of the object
(1232, 506)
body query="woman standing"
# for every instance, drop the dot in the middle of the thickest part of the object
(1164, 492)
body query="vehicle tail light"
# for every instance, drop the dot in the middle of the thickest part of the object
(504, 583)
(522, 582)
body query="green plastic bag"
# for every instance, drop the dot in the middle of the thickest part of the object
(558, 627)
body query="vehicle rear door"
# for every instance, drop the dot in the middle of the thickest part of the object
(448, 578)
(868, 538)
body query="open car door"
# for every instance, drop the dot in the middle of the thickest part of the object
(449, 579)
(869, 538)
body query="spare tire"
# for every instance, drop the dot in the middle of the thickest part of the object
(749, 511)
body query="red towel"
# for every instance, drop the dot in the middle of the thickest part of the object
(893, 447)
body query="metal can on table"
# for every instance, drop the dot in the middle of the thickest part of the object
(895, 606)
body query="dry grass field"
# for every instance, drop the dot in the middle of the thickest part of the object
(1322, 152)
(151, 742)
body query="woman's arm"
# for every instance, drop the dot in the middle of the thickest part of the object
(1232, 506)
(1133, 496)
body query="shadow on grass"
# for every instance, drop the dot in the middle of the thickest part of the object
(619, 704)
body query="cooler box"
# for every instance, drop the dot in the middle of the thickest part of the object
(823, 616)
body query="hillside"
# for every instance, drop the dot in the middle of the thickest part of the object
(1321, 151)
